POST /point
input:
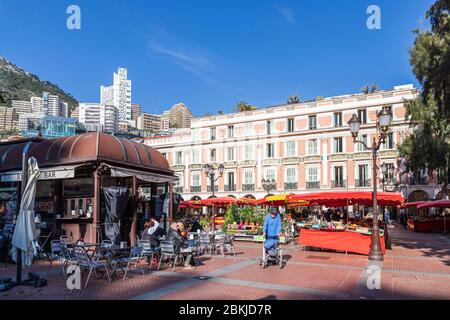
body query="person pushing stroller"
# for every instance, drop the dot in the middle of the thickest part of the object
(271, 232)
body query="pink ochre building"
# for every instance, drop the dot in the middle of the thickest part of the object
(305, 147)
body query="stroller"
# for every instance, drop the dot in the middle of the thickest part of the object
(272, 253)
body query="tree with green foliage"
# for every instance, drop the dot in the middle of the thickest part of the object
(428, 144)
(243, 106)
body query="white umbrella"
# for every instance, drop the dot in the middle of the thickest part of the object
(24, 238)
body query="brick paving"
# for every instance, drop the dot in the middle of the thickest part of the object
(417, 267)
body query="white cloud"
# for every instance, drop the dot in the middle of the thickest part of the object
(190, 59)
(287, 13)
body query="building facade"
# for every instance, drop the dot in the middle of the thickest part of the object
(179, 116)
(119, 94)
(136, 111)
(305, 147)
(98, 117)
(148, 122)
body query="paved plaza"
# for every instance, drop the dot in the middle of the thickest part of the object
(417, 267)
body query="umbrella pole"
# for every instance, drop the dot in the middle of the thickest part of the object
(22, 190)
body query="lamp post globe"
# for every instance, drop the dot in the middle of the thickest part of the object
(354, 123)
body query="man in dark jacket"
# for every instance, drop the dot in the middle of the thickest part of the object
(178, 242)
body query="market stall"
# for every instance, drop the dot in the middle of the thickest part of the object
(435, 223)
(347, 241)
(333, 229)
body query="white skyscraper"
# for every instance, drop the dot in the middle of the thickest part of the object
(118, 95)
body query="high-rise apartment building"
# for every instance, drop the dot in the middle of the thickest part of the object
(119, 94)
(21, 106)
(148, 122)
(98, 117)
(8, 118)
(136, 111)
(109, 118)
(179, 116)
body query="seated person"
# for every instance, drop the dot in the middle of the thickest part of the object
(196, 226)
(179, 242)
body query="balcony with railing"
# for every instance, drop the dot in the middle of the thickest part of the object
(362, 183)
(339, 184)
(248, 187)
(291, 186)
(312, 185)
(196, 188)
(231, 187)
(216, 188)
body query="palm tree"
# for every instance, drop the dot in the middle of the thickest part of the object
(293, 99)
(243, 106)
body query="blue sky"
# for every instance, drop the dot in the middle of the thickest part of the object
(212, 54)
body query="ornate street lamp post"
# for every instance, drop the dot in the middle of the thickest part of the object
(383, 123)
(269, 185)
(210, 172)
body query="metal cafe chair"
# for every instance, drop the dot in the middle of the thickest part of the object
(86, 264)
(66, 239)
(205, 244)
(134, 259)
(168, 251)
(57, 254)
(147, 252)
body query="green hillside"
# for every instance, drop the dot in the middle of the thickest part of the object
(17, 84)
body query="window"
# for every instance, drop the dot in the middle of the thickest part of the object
(360, 146)
(196, 134)
(248, 152)
(230, 131)
(212, 155)
(290, 149)
(229, 183)
(270, 126)
(164, 155)
(180, 182)
(291, 175)
(312, 174)
(390, 172)
(195, 179)
(230, 154)
(290, 125)
(248, 129)
(363, 176)
(212, 133)
(196, 156)
(338, 119)
(270, 174)
(362, 115)
(338, 145)
(389, 141)
(178, 157)
(338, 177)
(312, 147)
(270, 150)
(312, 122)
(248, 177)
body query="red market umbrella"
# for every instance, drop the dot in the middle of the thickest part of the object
(218, 202)
(340, 199)
(245, 202)
(413, 204)
(434, 204)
